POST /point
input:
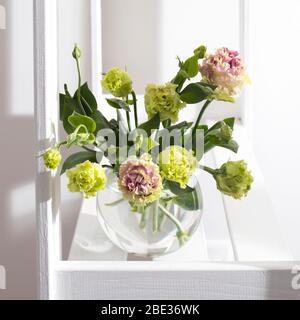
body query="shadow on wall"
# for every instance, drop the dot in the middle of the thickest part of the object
(17, 188)
(17, 213)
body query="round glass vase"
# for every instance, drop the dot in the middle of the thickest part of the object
(158, 229)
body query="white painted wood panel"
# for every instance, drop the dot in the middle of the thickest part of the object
(253, 224)
(159, 280)
(46, 117)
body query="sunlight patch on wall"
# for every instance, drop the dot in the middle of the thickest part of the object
(2, 17)
(22, 207)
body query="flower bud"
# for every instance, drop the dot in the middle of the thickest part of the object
(200, 52)
(76, 52)
(234, 179)
(226, 132)
(52, 159)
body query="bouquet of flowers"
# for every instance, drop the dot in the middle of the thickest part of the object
(153, 161)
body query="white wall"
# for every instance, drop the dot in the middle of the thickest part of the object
(17, 212)
(17, 194)
(73, 28)
(274, 51)
(147, 35)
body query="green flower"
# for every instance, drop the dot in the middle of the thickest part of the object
(163, 99)
(86, 177)
(226, 132)
(117, 82)
(233, 179)
(52, 159)
(177, 164)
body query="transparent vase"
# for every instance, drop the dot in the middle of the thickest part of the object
(149, 232)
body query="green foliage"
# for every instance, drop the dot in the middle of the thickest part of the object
(77, 119)
(190, 68)
(195, 93)
(118, 104)
(88, 99)
(152, 124)
(187, 198)
(214, 137)
(69, 105)
(77, 158)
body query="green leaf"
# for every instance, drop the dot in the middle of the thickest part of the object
(80, 137)
(88, 99)
(191, 67)
(195, 92)
(186, 198)
(229, 121)
(77, 119)
(77, 158)
(203, 127)
(230, 145)
(213, 140)
(68, 106)
(181, 126)
(101, 121)
(176, 189)
(188, 201)
(118, 104)
(151, 124)
(205, 84)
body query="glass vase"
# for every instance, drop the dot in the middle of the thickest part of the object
(158, 229)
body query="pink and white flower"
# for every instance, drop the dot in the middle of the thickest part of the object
(140, 181)
(225, 69)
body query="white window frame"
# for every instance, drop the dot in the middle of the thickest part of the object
(116, 280)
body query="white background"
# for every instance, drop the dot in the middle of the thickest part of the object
(161, 29)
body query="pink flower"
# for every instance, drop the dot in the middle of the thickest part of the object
(140, 181)
(226, 70)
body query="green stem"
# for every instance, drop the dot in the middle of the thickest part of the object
(79, 86)
(155, 216)
(161, 219)
(128, 117)
(166, 123)
(172, 218)
(128, 121)
(59, 145)
(207, 103)
(143, 221)
(135, 109)
(111, 204)
(208, 169)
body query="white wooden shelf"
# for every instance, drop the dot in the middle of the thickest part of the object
(231, 230)
(238, 252)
